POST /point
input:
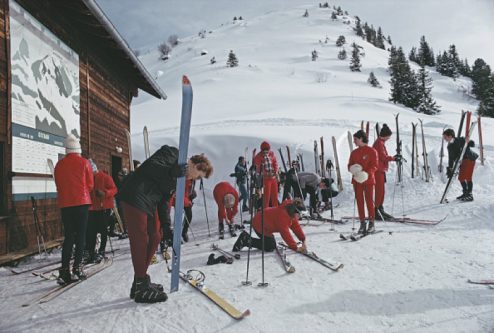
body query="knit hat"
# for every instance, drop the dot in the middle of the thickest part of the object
(385, 131)
(72, 145)
(93, 165)
(229, 200)
(265, 146)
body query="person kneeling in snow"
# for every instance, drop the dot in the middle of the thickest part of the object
(276, 219)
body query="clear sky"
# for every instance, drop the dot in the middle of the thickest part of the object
(469, 24)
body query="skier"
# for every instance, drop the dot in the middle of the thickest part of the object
(362, 165)
(226, 198)
(142, 191)
(265, 163)
(99, 212)
(241, 176)
(189, 195)
(74, 181)
(455, 146)
(383, 160)
(276, 219)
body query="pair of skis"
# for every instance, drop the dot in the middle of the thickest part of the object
(336, 266)
(355, 237)
(58, 290)
(404, 220)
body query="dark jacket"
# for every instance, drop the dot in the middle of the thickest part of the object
(241, 173)
(152, 181)
(455, 148)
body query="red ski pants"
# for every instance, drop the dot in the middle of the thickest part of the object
(380, 188)
(270, 192)
(466, 171)
(144, 235)
(367, 191)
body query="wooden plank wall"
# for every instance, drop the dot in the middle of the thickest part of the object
(102, 129)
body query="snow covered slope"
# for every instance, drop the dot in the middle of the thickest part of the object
(406, 279)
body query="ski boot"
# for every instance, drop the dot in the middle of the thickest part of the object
(242, 241)
(221, 230)
(362, 230)
(143, 291)
(78, 273)
(370, 228)
(231, 229)
(64, 276)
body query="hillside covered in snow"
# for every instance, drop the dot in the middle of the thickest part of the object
(409, 278)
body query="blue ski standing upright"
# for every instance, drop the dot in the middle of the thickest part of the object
(183, 148)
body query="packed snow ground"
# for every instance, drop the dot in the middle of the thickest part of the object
(407, 279)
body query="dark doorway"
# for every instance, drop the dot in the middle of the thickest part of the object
(116, 166)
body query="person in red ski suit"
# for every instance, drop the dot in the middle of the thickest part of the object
(74, 181)
(226, 198)
(279, 219)
(266, 165)
(362, 165)
(383, 160)
(102, 196)
(189, 195)
(142, 191)
(455, 146)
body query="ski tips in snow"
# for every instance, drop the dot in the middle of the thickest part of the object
(185, 80)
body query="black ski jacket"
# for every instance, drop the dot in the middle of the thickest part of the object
(152, 182)
(454, 151)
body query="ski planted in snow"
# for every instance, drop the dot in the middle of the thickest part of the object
(440, 167)
(129, 144)
(350, 141)
(283, 160)
(398, 149)
(312, 255)
(462, 121)
(145, 134)
(187, 97)
(198, 283)
(378, 130)
(300, 157)
(427, 170)
(456, 165)
(467, 123)
(323, 168)
(414, 147)
(337, 165)
(316, 158)
(481, 142)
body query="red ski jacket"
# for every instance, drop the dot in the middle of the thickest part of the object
(276, 219)
(219, 192)
(103, 182)
(367, 157)
(188, 196)
(74, 180)
(259, 161)
(383, 158)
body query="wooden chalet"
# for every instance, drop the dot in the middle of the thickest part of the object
(63, 69)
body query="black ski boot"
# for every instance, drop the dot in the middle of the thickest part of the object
(464, 186)
(231, 229)
(362, 230)
(381, 213)
(143, 292)
(242, 241)
(185, 237)
(64, 276)
(370, 228)
(221, 230)
(156, 286)
(78, 273)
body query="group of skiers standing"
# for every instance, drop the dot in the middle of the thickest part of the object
(146, 196)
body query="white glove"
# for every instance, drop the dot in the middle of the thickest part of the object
(361, 177)
(356, 168)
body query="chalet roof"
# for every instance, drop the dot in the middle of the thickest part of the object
(95, 31)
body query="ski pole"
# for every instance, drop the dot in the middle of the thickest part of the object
(262, 283)
(201, 186)
(251, 208)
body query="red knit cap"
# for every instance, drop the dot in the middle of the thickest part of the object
(265, 145)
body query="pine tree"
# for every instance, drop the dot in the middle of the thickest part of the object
(426, 103)
(482, 80)
(486, 106)
(425, 55)
(232, 60)
(465, 69)
(372, 80)
(442, 64)
(358, 29)
(412, 56)
(340, 41)
(342, 54)
(453, 62)
(403, 81)
(355, 60)
(333, 16)
(389, 40)
(379, 39)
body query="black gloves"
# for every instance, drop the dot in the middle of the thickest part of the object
(471, 144)
(193, 195)
(179, 170)
(398, 158)
(449, 172)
